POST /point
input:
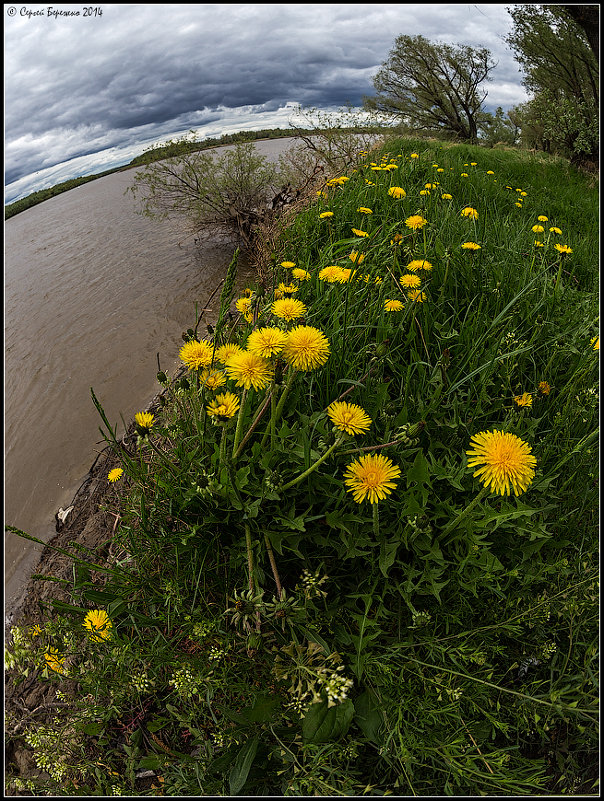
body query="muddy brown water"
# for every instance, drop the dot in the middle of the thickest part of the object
(93, 291)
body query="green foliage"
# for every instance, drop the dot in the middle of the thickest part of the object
(271, 635)
(230, 190)
(563, 73)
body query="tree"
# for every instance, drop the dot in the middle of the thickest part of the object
(561, 70)
(588, 17)
(328, 142)
(433, 87)
(233, 191)
(499, 128)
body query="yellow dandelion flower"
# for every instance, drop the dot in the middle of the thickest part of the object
(300, 275)
(358, 232)
(416, 222)
(356, 258)
(348, 417)
(538, 244)
(410, 281)
(393, 305)
(288, 309)
(503, 461)
(563, 249)
(469, 212)
(98, 624)
(243, 304)
(554, 230)
(447, 196)
(416, 296)
(197, 354)
(54, 660)
(223, 407)
(518, 204)
(248, 369)
(464, 174)
(287, 265)
(364, 210)
(542, 218)
(115, 474)
(397, 192)
(490, 172)
(595, 343)
(424, 191)
(544, 388)
(306, 348)
(419, 264)
(224, 352)
(144, 421)
(471, 246)
(371, 477)
(538, 229)
(414, 156)
(266, 342)
(325, 214)
(332, 274)
(526, 399)
(212, 379)
(286, 289)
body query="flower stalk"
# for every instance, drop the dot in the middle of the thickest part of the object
(464, 514)
(314, 466)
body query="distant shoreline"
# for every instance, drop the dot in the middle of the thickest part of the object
(153, 154)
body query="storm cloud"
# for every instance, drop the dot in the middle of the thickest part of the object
(83, 94)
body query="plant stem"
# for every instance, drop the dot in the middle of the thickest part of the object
(273, 397)
(462, 515)
(376, 519)
(239, 423)
(280, 405)
(271, 558)
(222, 447)
(251, 429)
(250, 556)
(314, 466)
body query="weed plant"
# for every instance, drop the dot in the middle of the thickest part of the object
(312, 591)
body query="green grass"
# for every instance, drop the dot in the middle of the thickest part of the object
(440, 642)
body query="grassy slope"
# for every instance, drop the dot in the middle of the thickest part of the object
(471, 650)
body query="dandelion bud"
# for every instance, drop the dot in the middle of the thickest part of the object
(382, 348)
(162, 378)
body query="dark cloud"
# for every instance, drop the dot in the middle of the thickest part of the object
(76, 87)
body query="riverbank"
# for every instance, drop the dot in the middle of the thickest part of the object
(89, 527)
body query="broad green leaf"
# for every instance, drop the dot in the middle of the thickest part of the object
(243, 763)
(368, 716)
(324, 724)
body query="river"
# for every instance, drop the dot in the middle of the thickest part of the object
(93, 291)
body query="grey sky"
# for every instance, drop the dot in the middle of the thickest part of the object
(83, 94)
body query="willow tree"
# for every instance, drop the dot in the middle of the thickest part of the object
(433, 87)
(233, 191)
